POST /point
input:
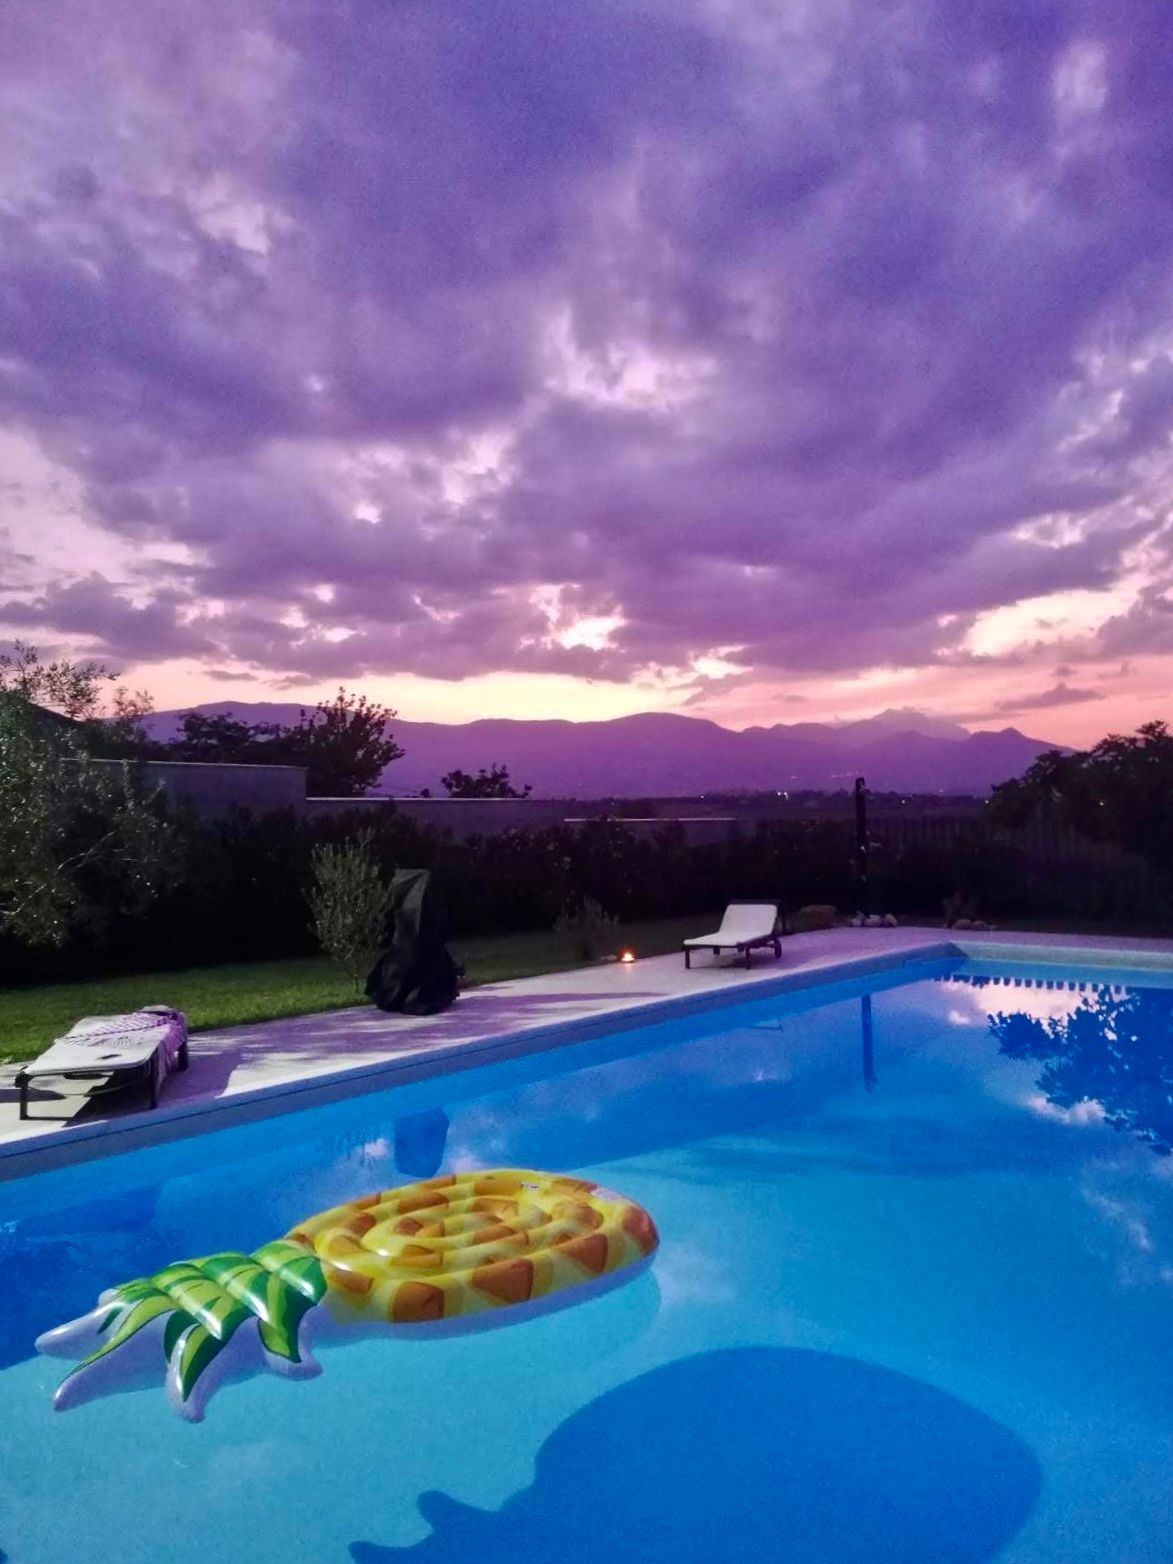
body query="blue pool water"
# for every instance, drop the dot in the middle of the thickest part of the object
(913, 1305)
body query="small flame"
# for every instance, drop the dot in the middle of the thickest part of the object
(627, 957)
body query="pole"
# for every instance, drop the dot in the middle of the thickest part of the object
(869, 1043)
(861, 845)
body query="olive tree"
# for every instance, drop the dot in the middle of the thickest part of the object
(79, 838)
(348, 897)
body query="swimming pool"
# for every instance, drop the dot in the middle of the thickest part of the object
(913, 1301)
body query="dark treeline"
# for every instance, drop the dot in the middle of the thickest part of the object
(236, 886)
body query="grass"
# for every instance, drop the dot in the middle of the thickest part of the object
(30, 1018)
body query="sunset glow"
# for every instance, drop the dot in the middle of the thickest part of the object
(761, 364)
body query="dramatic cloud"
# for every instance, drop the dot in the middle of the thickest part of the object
(720, 344)
(91, 607)
(1146, 627)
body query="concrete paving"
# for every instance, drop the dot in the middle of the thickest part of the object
(251, 1071)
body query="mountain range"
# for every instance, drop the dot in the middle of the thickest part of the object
(661, 754)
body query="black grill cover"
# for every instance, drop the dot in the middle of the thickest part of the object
(415, 974)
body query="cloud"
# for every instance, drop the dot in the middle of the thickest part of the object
(403, 338)
(92, 607)
(14, 563)
(1060, 694)
(1146, 627)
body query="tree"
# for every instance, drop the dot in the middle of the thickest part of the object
(70, 690)
(348, 899)
(493, 783)
(1120, 791)
(218, 736)
(79, 837)
(122, 734)
(1114, 1050)
(343, 744)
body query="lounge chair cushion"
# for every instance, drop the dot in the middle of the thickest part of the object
(744, 922)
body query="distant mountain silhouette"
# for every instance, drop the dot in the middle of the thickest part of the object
(661, 754)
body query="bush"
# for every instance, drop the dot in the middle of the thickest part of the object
(348, 899)
(80, 841)
(588, 928)
(237, 890)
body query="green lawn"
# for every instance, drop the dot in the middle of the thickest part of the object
(30, 1018)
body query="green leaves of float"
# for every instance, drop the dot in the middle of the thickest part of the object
(209, 1300)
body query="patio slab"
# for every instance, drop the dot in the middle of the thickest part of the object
(251, 1071)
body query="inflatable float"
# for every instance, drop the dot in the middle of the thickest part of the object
(459, 1248)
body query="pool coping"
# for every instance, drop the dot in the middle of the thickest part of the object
(66, 1144)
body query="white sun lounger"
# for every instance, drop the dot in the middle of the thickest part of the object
(746, 925)
(117, 1051)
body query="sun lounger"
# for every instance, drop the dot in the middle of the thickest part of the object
(115, 1051)
(745, 926)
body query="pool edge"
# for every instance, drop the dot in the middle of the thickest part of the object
(63, 1146)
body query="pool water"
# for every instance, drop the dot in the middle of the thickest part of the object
(913, 1302)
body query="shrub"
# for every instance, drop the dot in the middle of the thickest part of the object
(235, 887)
(958, 908)
(348, 900)
(588, 928)
(81, 841)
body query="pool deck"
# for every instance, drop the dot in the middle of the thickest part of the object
(248, 1072)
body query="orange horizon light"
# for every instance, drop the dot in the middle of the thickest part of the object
(627, 957)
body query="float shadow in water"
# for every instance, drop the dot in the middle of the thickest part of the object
(752, 1453)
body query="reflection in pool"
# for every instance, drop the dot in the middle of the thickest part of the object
(1114, 1050)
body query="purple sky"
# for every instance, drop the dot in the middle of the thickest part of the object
(768, 359)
